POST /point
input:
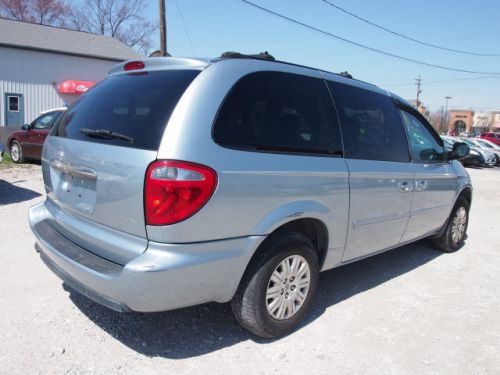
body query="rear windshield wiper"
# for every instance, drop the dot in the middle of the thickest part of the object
(105, 134)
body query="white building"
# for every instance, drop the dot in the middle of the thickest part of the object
(43, 67)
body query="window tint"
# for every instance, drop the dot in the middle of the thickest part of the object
(424, 147)
(136, 106)
(279, 112)
(370, 123)
(45, 121)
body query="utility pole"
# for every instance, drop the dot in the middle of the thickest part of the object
(446, 113)
(418, 83)
(441, 123)
(163, 29)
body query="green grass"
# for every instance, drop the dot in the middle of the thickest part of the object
(7, 161)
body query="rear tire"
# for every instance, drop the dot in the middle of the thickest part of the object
(278, 288)
(453, 236)
(16, 152)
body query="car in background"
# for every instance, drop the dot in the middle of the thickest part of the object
(1, 152)
(487, 145)
(474, 159)
(489, 156)
(492, 137)
(27, 142)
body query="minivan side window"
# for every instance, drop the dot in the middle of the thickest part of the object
(424, 147)
(371, 125)
(280, 112)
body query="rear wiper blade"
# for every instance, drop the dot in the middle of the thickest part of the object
(105, 134)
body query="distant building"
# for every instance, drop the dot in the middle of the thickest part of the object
(460, 120)
(421, 108)
(43, 67)
(469, 120)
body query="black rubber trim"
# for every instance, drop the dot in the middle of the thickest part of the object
(74, 252)
(81, 288)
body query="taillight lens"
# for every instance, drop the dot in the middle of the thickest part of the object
(176, 190)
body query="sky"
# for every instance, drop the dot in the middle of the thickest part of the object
(207, 28)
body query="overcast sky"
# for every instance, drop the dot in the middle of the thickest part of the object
(216, 26)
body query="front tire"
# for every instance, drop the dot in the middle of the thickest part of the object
(279, 287)
(16, 152)
(454, 235)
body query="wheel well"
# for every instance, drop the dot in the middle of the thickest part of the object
(466, 194)
(313, 229)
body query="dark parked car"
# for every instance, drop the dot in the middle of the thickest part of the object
(1, 152)
(27, 142)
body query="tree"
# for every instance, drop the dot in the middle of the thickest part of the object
(436, 119)
(43, 12)
(121, 19)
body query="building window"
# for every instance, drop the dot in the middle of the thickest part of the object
(13, 103)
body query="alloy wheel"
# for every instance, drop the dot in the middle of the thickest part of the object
(458, 225)
(288, 287)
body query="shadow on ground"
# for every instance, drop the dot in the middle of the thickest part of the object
(11, 193)
(203, 329)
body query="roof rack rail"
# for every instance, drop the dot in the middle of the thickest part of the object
(237, 55)
(345, 74)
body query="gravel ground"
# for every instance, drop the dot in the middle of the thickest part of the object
(410, 310)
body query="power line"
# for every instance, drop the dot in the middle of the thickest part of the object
(324, 32)
(441, 81)
(405, 36)
(185, 28)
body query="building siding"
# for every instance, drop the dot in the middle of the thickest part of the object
(35, 75)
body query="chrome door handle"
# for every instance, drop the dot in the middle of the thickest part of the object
(420, 185)
(405, 187)
(73, 169)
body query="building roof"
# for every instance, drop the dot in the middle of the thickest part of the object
(31, 36)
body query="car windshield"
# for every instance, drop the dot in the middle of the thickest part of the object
(486, 143)
(130, 110)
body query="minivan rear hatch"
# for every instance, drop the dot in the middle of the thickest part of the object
(95, 160)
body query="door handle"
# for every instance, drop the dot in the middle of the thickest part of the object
(420, 185)
(74, 170)
(405, 186)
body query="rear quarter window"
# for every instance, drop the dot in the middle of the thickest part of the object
(137, 106)
(279, 112)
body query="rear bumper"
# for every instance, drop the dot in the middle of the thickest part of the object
(164, 277)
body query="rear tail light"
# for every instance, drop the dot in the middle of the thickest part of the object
(176, 190)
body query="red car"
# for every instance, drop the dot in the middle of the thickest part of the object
(27, 143)
(492, 137)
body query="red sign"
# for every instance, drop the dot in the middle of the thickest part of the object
(71, 86)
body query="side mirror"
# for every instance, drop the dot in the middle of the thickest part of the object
(25, 127)
(459, 151)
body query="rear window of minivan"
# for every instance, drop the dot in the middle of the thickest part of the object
(129, 110)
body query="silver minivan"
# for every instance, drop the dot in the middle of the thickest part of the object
(176, 182)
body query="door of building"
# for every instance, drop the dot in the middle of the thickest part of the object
(14, 109)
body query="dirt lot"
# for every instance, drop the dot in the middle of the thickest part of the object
(411, 310)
